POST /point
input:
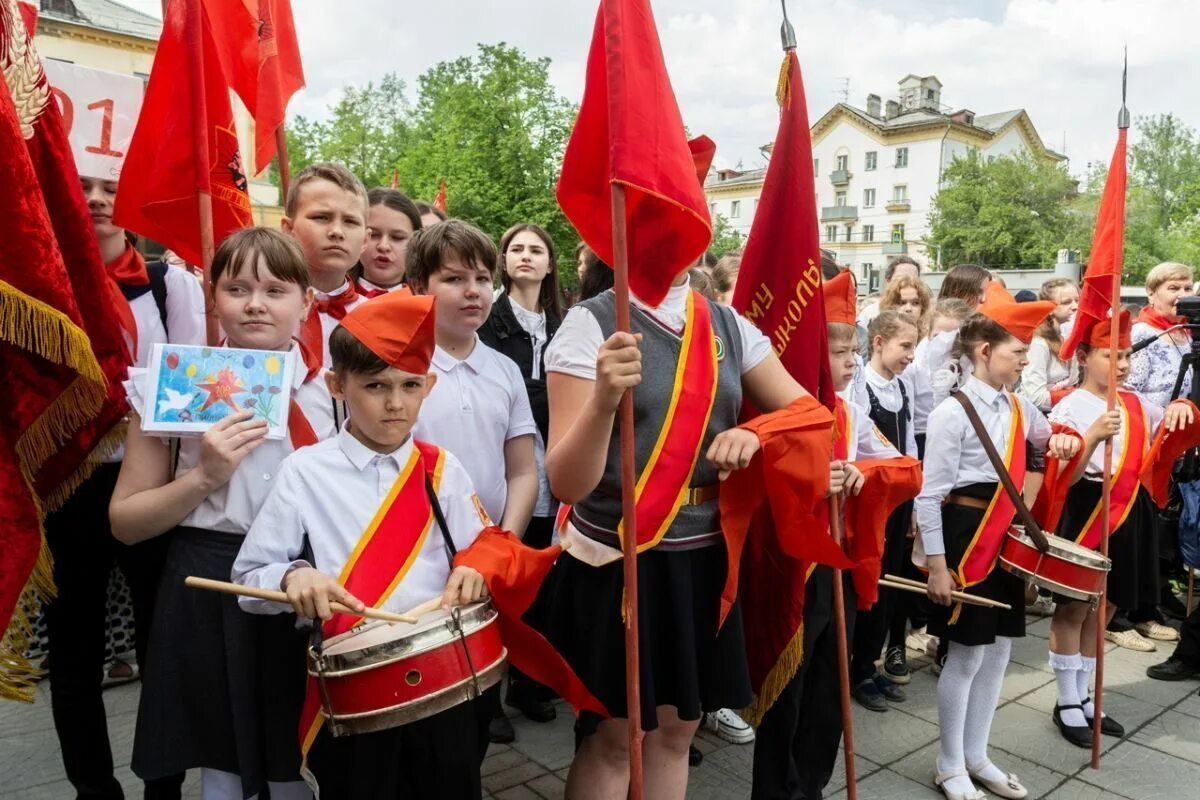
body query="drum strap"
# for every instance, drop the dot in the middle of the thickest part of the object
(1031, 526)
(451, 550)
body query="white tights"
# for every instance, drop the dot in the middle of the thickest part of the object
(218, 785)
(968, 691)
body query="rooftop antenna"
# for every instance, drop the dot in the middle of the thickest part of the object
(844, 91)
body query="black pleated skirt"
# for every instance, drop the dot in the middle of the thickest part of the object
(685, 662)
(970, 624)
(222, 688)
(1133, 547)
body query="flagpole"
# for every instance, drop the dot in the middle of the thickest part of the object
(1106, 493)
(285, 171)
(633, 693)
(200, 157)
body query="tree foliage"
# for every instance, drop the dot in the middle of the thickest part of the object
(490, 125)
(725, 239)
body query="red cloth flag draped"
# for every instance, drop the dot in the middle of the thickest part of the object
(256, 43)
(57, 354)
(439, 202)
(779, 290)
(629, 131)
(1096, 298)
(157, 195)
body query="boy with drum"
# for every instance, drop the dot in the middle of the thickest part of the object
(358, 507)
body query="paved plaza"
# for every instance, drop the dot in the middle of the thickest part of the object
(1160, 757)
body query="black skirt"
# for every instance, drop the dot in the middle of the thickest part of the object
(222, 687)
(970, 624)
(685, 662)
(1133, 547)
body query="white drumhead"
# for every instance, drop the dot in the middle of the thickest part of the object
(377, 632)
(1067, 546)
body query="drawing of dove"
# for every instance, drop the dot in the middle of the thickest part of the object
(176, 401)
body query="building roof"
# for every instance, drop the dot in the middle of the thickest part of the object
(106, 15)
(751, 177)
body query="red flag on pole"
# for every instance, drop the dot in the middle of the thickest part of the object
(256, 43)
(629, 132)
(158, 192)
(1096, 299)
(439, 202)
(395, 178)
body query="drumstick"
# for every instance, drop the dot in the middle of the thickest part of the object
(920, 588)
(432, 604)
(279, 597)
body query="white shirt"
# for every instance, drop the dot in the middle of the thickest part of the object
(232, 508)
(866, 441)
(920, 389)
(185, 315)
(328, 322)
(577, 343)
(955, 457)
(1043, 373)
(869, 312)
(477, 405)
(329, 493)
(1080, 409)
(1152, 371)
(533, 323)
(887, 392)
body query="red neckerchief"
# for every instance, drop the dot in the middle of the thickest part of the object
(127, 269)
(300, 431)
(1157, 320)
(371, 291)
(336, 306)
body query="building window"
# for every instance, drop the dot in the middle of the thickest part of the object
(735, 209)
(816, 168)
(843, 163)
(900, 193)
(868, 233)
(872, 161)
(712, 209)
(898, 234)
(849, 233)
(868, 198)
(830, 233)
(901, 157)
(867, 266)
(839, 199)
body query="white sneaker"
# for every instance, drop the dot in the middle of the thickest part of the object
(1130, 640)
(1041, 607)
(726, 723)
(919, 641)
(1156, 630)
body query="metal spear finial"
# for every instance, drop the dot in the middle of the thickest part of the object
(787, 33)
(1123, 115)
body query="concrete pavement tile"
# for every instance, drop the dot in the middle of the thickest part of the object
(1125, 672)
(517, 793)
(1129, 711)
(497, 782)
(863, 768)
(888, 785)
(1020, 679)
(884, 738)
(1138, 772)
(1030, 734)
(551, 744)
(1190, 704)
(549, 787)
(1075, 789)
(1032, 651)
(1037, 778)
(1173, 733)
(710, 782)
(26, 719)
(1037, 626)
(922, 696)
(737, 759)
(498, 762)
(706, 741)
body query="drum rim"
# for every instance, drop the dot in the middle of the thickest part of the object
(351, 662)
(1045, 583)
(1102, 561)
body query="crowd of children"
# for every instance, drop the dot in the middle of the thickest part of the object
(429, 407)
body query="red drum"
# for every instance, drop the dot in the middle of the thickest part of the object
(1069, 569)
(382, 675)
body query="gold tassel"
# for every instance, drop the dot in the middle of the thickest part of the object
(73, 408)
(783, 87)
(108, 445)
(17, 674)
(958, 607)
(39, 327)
(777, 679)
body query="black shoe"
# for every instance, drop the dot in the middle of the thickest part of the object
(1108, 725)
(695, 757)
(1173, 669)
(895, 666)
(869, 697)
(1078, 735)
(534, 710)
(1172, 607)
(889, 690)
(500, 730)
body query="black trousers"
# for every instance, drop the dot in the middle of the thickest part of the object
(84, 550)
(1188, 649)
(871, 627)
(796, 745)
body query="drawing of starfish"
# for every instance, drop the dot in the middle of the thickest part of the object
(222, 390)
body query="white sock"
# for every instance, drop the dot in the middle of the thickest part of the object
(1086, 667)
(290, 790)
(954, 691)
(1066, 673)
(216, 784)
(981, 707)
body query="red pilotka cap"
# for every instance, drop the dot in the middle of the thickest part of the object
(841, 300)
(1100, 334)
(398, 328)
(1019, 319)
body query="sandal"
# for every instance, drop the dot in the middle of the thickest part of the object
(940, 778)
(1010, 787)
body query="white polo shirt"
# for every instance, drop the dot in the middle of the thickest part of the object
(477, 405)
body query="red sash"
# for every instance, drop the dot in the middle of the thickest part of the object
(1126, 471)
(980, 557)
(663, 484)
(381, 559)
(842, 429)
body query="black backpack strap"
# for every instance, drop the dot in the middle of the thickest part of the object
(157, 272)
(451, 550)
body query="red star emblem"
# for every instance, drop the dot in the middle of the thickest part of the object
(222, 390)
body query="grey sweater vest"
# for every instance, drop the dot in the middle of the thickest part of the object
(598, 514)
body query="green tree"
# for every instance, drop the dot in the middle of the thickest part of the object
(1165, 164)
(725, 239)
(1004, 212)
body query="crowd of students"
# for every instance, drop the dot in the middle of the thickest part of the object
(417, 371)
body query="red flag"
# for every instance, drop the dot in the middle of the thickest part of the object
(256, 43)
(157, 195)
(57, 353)
(779, 290)
(439, 202)
(629, 131)
(395, 178)
(1096, 299)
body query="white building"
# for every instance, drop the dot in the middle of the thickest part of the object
(877, 171)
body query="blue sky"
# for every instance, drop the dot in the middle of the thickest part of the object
(1058, 59)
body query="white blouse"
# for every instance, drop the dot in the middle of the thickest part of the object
(1045, 372)
(1080, 409)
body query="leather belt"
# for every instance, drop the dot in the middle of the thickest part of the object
(969, 502)
(694, 496)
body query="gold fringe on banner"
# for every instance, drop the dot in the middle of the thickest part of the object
(777, 679)
(783, 87)
(109, 444)
(17, 674)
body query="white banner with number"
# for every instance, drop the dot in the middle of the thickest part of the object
(100, 110)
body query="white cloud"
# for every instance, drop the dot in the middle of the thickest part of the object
(1058, 59)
